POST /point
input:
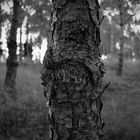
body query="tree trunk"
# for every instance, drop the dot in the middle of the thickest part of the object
(20, 46)
(27, 32)
(111, 39)
(72, 72)
(137, 47)
(120, 61)
(28, 58)
(10, 80)
(0, 20)
(27, 39)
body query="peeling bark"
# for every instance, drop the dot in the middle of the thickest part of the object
(10, 79)
(72, 72)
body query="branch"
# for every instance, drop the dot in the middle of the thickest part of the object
(101, 20)
(103, 90)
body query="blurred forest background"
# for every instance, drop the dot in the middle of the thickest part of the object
(25, 25)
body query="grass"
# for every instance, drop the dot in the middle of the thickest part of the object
(121, 111)
(121, 103)
(27, 117)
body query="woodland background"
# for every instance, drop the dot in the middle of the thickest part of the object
(26, 117)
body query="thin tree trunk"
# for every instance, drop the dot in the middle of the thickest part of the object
(111, 40)
(28, 57)
(1, 51)
(27, 32)
(10, 80)
(72, 72)
(27, 37)
(120, 61)
(0, 20)
(137, 47)
(20, 45)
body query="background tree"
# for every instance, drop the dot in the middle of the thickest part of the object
(136, 40)
(3, 16)
(21, 10)
(109, 37)
(10, 79)
(0, 18)
(72, 71)
(124, 11)
(37, 15)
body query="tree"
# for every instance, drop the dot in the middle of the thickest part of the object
(72, 71)
(37, 15)
(124, 11)
(10, 79)
(137, 46)
(0, 19)
(40, 19)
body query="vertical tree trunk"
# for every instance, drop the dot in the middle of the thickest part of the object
(20, 45)
(27, 38)
(0, 20)
(28, 58)
(72, 72)
(27, 32)
(10, 80)
(120, 61)
(111, 39)
(137, 47)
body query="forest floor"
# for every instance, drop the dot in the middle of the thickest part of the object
(27, 117)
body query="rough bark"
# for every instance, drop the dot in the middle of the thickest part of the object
(72, 72)
(10, 79)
